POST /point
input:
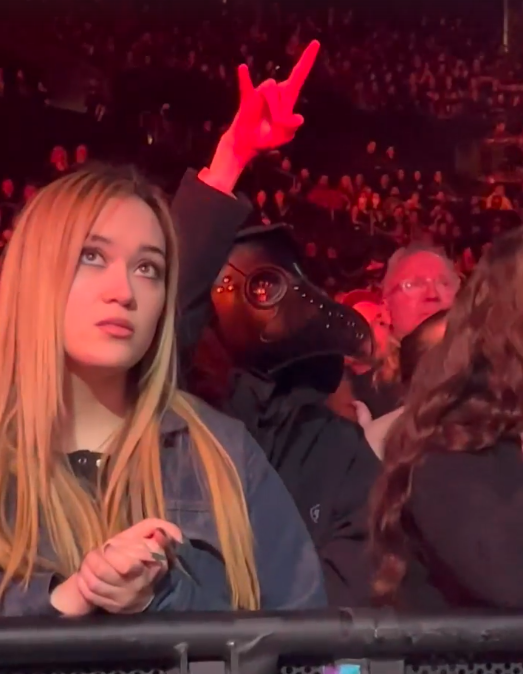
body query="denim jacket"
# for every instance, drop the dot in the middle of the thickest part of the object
(288, 568)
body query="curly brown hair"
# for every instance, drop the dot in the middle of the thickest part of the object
(466, 394)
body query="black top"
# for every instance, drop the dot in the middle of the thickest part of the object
(85, 464)
(466, 514)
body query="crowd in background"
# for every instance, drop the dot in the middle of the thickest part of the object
(444, 66)
(382, 211)
(158, 65)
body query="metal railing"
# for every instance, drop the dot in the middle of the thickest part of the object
(256, 642)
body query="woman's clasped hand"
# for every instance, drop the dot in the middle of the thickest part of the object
(120, 576)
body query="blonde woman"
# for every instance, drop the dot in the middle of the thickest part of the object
(118, 492)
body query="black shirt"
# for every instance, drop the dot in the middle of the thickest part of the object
(85, 464)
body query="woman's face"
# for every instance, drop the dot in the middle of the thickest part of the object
(118, 293)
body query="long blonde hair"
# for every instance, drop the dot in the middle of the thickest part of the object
(38, 271)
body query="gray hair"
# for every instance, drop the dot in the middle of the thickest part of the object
(405, 253)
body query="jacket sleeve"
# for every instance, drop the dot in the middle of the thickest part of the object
(183, 590)
(179, 590)
(289, 570)
(33, 600)
(468, 510)
(344, 548)
(206, 222)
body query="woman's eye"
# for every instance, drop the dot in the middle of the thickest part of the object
(150, 270)
(89, 256)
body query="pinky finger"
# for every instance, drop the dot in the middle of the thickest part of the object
(94, 599)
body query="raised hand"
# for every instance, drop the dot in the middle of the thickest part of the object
(266, 119)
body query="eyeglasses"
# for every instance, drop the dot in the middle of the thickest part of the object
(415, 287)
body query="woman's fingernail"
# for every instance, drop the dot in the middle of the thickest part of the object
(158, 557)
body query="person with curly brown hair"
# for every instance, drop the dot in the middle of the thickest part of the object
(447, 511)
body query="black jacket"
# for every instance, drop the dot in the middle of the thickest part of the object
(324, 460)
(466, 531)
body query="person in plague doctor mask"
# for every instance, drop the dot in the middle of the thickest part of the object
(273, 354)
(323, 459)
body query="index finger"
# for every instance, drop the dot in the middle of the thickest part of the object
(125, 562)
(244, 82)
(301, 70)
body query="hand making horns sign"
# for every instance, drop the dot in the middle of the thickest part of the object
(265, 119)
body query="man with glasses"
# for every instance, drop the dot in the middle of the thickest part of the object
(420, 281)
